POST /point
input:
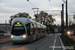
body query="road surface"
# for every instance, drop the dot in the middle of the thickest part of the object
(46, 43)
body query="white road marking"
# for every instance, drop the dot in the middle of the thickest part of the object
(54, 42)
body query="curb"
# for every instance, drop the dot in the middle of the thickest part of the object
(63, 48)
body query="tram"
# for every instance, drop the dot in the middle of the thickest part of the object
(26, 30)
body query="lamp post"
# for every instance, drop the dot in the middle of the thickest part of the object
(66, 2)
(66, 16)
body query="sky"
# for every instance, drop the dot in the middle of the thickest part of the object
(11, 7)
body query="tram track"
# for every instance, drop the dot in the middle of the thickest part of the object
(17, 47)
(41, 44)
(32, 43)
(36, 45)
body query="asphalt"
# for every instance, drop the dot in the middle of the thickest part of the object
(46, 43)
(4, 39)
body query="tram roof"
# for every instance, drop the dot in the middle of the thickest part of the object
(24, 21)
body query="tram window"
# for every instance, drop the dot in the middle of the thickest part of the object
(28, 28)
(34, 26)
(31, 26)
(33, 29)
(18, 30)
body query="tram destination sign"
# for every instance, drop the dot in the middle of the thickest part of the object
(18, 24)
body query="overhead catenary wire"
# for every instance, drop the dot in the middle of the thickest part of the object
(31, 3)
(51, 6)
(50, 3)
(53, 11)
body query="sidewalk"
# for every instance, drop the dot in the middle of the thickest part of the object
(5, 40)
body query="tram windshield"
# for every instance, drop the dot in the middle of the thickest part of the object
(18, 29)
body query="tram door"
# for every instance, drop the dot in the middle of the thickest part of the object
(28, 28)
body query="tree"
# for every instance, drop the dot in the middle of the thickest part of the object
(26, 15)
(51, 20)
(47, 20)
(45, 17)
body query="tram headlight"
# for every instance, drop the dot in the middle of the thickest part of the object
(12, 36)
(24, 36)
